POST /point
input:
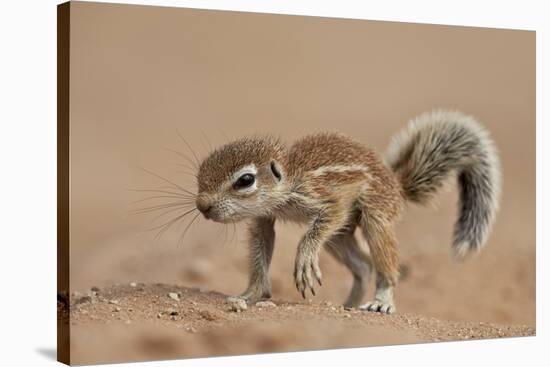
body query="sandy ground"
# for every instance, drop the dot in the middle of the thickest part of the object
(159, 321)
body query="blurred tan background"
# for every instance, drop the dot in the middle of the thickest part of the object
(139, 74)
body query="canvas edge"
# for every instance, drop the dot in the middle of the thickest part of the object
(63, 179)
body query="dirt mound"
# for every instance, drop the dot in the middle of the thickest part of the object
(141, 322)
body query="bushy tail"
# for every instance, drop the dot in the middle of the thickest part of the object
(437, 144)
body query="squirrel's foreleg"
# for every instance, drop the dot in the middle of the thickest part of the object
(323, 227)
(261, 242)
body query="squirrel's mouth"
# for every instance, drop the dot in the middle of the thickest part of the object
(223, 217)
(215, 216)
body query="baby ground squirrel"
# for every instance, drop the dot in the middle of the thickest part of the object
(335, 184)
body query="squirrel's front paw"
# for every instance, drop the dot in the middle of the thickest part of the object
(305, 269)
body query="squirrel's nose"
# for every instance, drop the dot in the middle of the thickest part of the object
(205, 210)
(204, 207)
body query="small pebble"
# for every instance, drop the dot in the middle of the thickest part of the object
(113, 302)
(174, 296)
(133, 284)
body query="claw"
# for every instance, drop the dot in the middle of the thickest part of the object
(304, 293)
(319, 281)
(312, 291)
(378, 307)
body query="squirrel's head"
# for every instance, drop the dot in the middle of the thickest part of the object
(242, 179)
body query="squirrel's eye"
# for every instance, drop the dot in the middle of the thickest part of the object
(244, 181)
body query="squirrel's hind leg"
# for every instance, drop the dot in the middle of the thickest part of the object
(345, 249)
(383, 249)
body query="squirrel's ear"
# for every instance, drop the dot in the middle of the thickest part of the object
(276, 170)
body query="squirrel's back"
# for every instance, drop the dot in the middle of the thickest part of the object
(328, 149)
